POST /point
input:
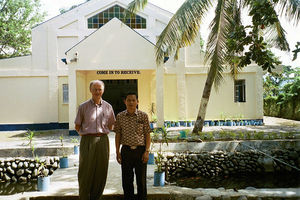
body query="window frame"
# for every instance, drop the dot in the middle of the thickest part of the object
(240, 91)
(65, 93)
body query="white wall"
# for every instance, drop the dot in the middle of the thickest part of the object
(24, 100)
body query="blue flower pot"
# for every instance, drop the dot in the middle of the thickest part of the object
(182, 134)
(159, 178)
(63, 162)
(43, 183)
(76, 149)
(151, 159)
(189, 124)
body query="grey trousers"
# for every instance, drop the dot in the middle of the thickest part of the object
(93, 166)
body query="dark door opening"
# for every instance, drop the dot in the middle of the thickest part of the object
(115, 91)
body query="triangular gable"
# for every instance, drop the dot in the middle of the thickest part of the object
(114, 45)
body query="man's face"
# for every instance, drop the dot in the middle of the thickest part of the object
(131, 102)
(97, 90)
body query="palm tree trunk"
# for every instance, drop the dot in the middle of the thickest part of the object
(204, 101)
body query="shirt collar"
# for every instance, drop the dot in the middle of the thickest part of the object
(101, 101)
(135, 112)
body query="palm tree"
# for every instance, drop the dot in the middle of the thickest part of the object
(228, 36)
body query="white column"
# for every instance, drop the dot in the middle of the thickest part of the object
(72, 97)
(259, 93)
(160, 95)
(53, 75)
(181, 85)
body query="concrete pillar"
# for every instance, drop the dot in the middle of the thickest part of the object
(72, 98)
(181, 85)
(53, 75)
(259, 93)
(160, 95)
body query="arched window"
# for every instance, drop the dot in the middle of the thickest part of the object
(98, 20)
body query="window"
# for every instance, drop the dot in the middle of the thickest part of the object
(65, 88)
(239, 91)
(117, 11)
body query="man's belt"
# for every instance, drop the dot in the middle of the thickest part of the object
(96, 134)
(132, 147)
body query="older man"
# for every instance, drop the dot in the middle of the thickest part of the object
(94, 120)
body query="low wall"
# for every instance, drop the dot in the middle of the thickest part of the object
(25, 169)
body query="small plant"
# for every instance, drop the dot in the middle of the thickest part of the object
(61, 138)
(43, 171)
(75, 141)
(30, 136)
(163, 139)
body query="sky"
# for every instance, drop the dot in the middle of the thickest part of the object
(51, 7)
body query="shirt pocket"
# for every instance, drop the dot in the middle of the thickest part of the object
(139, 128)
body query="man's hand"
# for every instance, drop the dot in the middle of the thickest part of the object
(145, 157)
(118, 157)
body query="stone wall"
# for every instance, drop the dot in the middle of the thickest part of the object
(24, 170)
(212, 164)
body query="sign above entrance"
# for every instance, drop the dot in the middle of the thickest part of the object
(103, 72)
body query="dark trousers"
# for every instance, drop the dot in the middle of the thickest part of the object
(132, 160)
(93, 166)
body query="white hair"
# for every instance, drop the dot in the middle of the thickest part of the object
(96, 81)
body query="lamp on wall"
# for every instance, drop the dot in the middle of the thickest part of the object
(67, 61)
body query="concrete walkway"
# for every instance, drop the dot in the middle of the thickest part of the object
(64, 181)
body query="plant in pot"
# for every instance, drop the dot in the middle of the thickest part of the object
(75, 141)
(159, 173)
(43, 179)
(154, 138)
(63, 160)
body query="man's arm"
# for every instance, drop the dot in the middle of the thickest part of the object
(117, 143)
(146, 154)
(77, 128)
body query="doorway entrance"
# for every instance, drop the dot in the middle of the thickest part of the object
(115, 91)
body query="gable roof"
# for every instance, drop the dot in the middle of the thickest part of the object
(74, 11)
(114, 44)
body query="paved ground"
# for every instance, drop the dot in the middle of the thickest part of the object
(64, 181)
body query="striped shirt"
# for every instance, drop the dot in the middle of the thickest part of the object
(94, 118)
(132, 127)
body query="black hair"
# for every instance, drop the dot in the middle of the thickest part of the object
(131, 93)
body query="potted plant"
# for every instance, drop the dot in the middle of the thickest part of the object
(154, 137)
(63, 161)
(43, 179)
(159, 173)
(76, 145)
(189, 123)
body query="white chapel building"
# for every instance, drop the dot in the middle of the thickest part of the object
(92, 41)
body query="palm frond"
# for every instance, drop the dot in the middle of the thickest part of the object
(231, 58)
(291, 9)
(182, 29)
(216, 45)
(134, 7)
(277, 37)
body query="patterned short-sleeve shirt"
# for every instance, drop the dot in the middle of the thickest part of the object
(132, 127)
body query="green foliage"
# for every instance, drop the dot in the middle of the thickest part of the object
(29, 136)
(75, 141)
(296, 51)
(61, 138)
(17, 17)
(163, 134)
(282, 93)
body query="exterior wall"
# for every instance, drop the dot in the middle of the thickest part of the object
(170, 97)
(24, 100)
(174, 90)
(221, 103)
